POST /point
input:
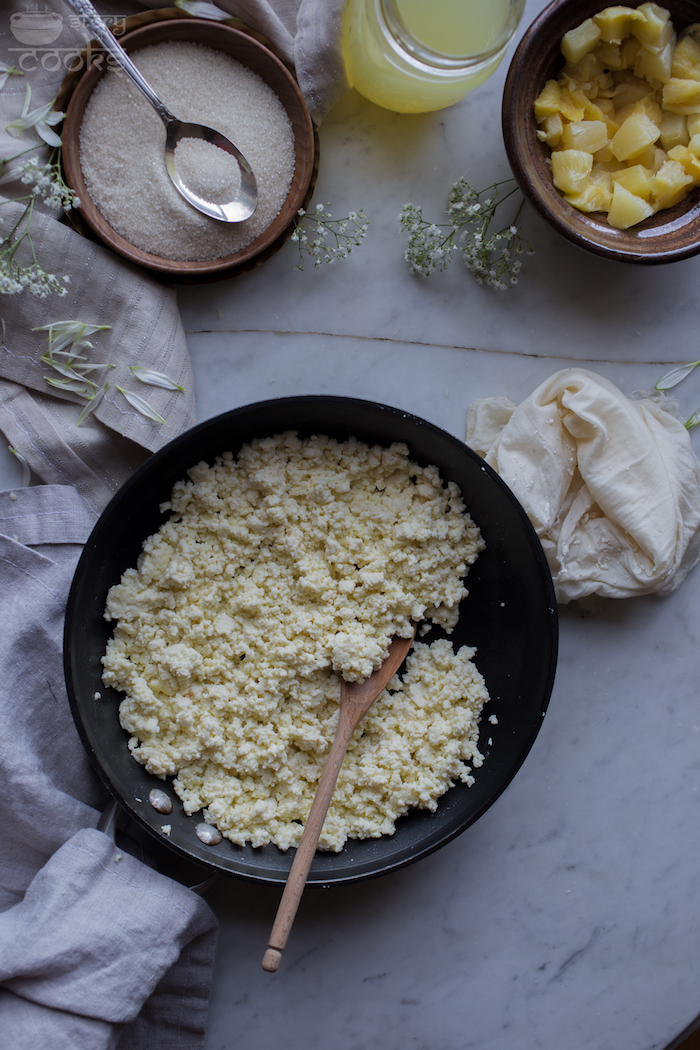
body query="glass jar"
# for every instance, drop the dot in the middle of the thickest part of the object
(413, 56)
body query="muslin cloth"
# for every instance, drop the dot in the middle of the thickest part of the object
(97, 950)
(611, 484)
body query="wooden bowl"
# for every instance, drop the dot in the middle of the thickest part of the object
(253, 54)
(665, 237)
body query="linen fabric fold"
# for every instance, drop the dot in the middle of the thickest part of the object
(611, 484)
(95, 946)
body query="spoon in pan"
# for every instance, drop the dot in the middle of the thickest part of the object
(246, 199)
(356, 698)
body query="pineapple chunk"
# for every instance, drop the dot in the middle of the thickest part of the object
(615, 23)
(588, 135)
(635, 134)
(604, 112)
(689, 160)
(548, 101)
(552, 128)
(605, 156)
(570, 169)
(592, 197)
(681, 96)
(693, 122)
(630, 89)
(648, 157)
(600, 177)
(648, 105)
(629, 49)
(609, 56)
(656, 28)
(659, 159)
(627, 209)
(670, 184)
(686, 60)
(584, 71)
(655, 66)
(569, 107)
(578, 42)
(606, 108)
(694, 145)
(636, 179)
(674, 130)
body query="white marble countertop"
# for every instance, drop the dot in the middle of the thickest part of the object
(569, 914)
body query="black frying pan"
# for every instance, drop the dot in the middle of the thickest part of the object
(509, 615)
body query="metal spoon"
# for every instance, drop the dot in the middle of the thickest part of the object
(246, 200)
(356, 698)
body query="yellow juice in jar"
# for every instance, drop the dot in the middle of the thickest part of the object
(412, 56)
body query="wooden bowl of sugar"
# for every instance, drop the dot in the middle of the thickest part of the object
(113, 147)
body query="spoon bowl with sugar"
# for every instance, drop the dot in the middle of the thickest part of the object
(209, 160)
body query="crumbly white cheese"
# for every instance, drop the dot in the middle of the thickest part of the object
(278, 571)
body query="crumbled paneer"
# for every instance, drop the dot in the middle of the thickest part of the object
(277, 572)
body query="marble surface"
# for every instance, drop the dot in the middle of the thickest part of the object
(569, 914)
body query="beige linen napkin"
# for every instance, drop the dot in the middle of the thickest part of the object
(611, 485)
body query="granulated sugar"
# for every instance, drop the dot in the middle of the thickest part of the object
(122, 142)
(207, 170)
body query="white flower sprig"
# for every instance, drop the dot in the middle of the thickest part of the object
(325, 239)
(45, 183)
(492, 256)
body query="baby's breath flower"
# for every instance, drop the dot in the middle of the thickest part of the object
(490, 255)
(325, 239)
(48, 183)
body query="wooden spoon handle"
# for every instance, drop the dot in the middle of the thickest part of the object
(306, 849)
(355, 700)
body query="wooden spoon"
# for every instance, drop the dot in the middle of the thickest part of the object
(356, 698)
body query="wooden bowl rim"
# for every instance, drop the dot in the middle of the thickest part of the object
(305, 146)
(669, 235)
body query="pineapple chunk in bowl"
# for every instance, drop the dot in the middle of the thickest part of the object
(649, 210)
